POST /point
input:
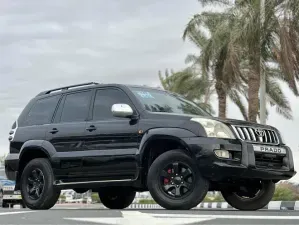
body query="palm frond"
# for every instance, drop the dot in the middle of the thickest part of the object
(277, 98)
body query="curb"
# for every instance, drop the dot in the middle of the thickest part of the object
(273, 205)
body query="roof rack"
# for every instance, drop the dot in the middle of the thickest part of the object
(67, 87)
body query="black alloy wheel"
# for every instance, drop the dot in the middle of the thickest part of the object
(37, 189)
(177, 180)
(35, 184)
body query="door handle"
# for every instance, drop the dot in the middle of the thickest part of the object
(91, 128)
(54, 131)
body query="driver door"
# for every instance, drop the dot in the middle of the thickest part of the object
(111, 142)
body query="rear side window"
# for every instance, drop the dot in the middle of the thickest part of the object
(42, 111)
(76, 107)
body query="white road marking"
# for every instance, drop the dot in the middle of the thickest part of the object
(137, 218)
(226, 216)
(11, 213)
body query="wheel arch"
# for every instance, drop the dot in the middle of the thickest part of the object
(166, 139)
(31, 150)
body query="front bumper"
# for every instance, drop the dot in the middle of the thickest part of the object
(247, 166)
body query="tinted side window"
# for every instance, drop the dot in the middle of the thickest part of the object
(42, 111)
(76, 107)
(104, 100)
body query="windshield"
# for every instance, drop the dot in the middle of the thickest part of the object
(162, 101)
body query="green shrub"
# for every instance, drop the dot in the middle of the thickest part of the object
(283, 193)
(62, 198)
(147, 201)
(217, 198)
(95, 198)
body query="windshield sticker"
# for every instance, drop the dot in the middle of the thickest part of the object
(145, 94)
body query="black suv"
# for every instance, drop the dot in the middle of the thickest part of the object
(121, 139)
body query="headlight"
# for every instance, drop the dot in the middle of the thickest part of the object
(214, 128)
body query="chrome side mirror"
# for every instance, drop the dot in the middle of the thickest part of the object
(122, 110)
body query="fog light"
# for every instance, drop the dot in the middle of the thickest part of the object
(222, 154)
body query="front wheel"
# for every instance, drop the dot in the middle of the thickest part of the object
(37, 187)
(252, 196)
(117, 197)
(175, 181)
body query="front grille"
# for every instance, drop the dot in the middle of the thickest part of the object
(273, 161)
(256, 135)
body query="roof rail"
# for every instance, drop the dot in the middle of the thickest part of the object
(67, 87)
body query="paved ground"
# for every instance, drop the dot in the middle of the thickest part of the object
(76, 215)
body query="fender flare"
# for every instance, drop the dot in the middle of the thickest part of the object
(42, 145)
(176, 134)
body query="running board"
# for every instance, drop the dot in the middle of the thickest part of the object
(60, 183)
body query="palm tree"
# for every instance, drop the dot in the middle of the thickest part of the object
(276, 40)
(217, 57)
(187, 83)
(272, 41)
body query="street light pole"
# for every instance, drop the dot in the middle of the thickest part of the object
(262, 72)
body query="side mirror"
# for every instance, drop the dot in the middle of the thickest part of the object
(122, 110)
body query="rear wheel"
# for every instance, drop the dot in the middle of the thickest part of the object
(117, 197)
(175, 182)
(37, 187)
(251, 196)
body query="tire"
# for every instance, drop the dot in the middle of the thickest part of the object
(262, 198)
(117, 197)
(193, 196)
(48, 195)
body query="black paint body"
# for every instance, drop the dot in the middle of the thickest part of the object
(117, 152)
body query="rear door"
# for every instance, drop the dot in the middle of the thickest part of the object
(66, 134)
(34, 124)
(111, 142)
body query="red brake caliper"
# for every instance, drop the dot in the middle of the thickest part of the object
(166, 181)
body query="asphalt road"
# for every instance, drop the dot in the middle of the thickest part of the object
(76, 215)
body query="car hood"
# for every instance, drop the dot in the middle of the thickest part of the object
(227, 121)
(242, 123)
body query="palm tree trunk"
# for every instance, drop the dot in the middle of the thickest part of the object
(254, 85)
(221, 92)
(221, 99)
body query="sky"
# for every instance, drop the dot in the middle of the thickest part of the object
(47, 44)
